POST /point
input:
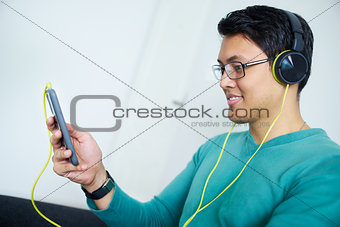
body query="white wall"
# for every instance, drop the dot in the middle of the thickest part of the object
(164, 50)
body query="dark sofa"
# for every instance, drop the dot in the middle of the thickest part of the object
(20, 212)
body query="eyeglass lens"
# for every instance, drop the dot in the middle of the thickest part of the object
(234, 70)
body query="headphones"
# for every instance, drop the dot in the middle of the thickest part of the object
(291, 66)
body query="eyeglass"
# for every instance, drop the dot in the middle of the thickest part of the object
(234, 70)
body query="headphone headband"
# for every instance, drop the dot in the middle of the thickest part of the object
(297, 30)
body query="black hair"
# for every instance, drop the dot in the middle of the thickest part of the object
(270, 29)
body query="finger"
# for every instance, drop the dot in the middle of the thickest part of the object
(64, 169)
(61, 155)
(56, 139)
(75, 175)
(52, 124)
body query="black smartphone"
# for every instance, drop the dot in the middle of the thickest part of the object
(56, 111)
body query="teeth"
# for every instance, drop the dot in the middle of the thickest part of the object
(236, 97)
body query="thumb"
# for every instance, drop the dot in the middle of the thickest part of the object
(73, 132)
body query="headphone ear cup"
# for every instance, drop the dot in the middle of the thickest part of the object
(290, 67)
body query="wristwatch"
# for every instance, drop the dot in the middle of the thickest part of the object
(102, 191)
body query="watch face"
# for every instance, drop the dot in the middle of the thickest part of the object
(109, 184)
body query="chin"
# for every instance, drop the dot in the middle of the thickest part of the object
(238, 120)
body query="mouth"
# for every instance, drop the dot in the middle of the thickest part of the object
(233, 99)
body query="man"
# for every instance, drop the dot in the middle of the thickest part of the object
(293, 180)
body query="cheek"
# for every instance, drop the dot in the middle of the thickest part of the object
(259, 89)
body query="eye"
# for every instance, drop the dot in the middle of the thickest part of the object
(235, 70)
(237, 67)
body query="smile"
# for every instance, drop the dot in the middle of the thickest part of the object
(233, 100)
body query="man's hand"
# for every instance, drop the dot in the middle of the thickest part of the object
(90, 172)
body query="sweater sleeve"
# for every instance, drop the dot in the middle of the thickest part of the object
(314, 200)
(163, 210)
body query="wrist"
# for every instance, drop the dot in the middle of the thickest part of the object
(99, 179)
(102, 191)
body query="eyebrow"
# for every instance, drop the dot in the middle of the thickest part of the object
(232, 58)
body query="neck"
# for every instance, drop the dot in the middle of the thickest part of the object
(289, 121)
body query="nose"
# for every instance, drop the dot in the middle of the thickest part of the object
(226, 82)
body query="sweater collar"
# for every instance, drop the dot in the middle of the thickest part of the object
(287, 138)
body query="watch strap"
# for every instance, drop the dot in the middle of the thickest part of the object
(102, 191)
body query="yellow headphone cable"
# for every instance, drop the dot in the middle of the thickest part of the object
(48, 85)
(199, 209)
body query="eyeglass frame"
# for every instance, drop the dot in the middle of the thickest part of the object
(243, 67)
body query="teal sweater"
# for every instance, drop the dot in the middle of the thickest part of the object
(293, 180)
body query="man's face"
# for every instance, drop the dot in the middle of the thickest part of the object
(258, 89)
